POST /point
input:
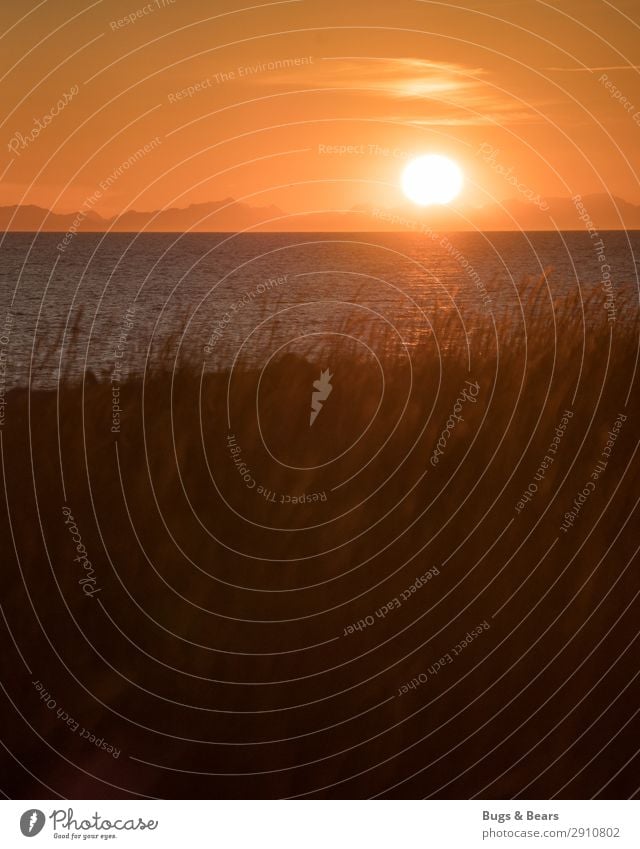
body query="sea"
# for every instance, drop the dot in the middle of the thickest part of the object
(125, 302)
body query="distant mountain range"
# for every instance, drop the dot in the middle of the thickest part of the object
(224, 215)
(229, 215)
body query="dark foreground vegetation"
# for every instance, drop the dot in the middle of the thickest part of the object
(220, 594)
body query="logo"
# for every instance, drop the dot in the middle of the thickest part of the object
(32, 822)
(323, 389)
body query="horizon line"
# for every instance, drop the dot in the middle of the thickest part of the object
(310, 232)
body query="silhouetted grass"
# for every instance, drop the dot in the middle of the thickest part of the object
(202, 580)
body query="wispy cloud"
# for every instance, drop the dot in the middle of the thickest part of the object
(426, 91)
(587, 70)
(481, 118)
(400, 77)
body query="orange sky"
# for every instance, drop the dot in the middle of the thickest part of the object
(391, 79)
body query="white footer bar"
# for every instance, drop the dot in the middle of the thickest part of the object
(320, 824)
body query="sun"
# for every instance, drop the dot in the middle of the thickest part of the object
(432, 179)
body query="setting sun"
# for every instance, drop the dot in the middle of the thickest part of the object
(432, 179)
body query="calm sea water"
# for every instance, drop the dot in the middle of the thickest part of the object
(118, 301)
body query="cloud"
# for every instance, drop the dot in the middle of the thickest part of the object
(588, 70)
(446, 93)
(400, 77)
